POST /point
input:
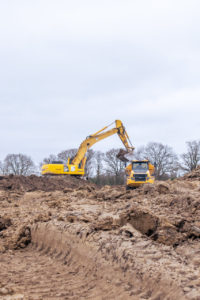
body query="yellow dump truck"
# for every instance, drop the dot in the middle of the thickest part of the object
(139, 172)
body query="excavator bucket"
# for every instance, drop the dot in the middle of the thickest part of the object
(124, 155)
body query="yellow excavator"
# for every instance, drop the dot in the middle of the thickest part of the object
(76, 166)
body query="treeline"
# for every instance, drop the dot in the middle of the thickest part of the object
(105, 168)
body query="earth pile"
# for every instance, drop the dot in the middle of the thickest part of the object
(99, 243)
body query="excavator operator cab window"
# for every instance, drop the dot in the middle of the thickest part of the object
(57, 162)
(140, 166)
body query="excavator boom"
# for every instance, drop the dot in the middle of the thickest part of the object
(100, 135)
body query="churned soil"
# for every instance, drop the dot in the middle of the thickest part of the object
(65, 238)
(34, 183)
(195, 174)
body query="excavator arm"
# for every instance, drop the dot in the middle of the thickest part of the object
(100, 135)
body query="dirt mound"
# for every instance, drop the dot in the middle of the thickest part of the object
(139, 244)
(195, 174)
(33, 183)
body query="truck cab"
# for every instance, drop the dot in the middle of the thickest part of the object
(139, 172)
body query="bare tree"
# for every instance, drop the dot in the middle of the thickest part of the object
(62, 156)
(163, 158)
(18, 164)
(49, 159)
(191, 158)
(69, 153)
(114, 166)
(89, 166)
(98, 162)
(2, 169)
(139, 153)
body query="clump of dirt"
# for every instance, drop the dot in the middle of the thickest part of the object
(5, 222)
(16, 239)
(22, 238)
(163, 188)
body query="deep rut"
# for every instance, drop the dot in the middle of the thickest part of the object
(36, 276)
(57, 266)
(42, 271)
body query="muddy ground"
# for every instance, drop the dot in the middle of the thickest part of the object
(64, 238)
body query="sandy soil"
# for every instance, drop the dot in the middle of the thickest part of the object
(63, 238)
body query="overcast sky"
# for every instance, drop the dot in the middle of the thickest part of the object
(68, 68)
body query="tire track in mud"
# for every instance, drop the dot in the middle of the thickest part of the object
(92, 277)
(53, 267)
(39, 277)
(59, 266)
